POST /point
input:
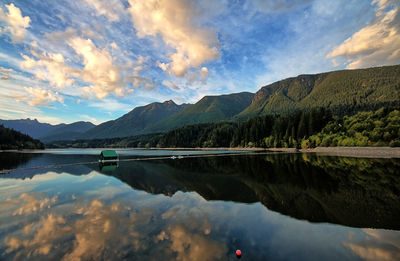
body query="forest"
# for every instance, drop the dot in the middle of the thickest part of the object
(11, 139)
(300, 129)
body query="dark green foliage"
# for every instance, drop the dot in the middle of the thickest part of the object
(11, 139)
(139, 141)
(379, 128)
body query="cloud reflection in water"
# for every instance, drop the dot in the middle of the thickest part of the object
(97, 230)
(377, 245)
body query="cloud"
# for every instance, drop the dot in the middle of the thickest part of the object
(170, 85)
(377, 43)
(49, 67)
(5, 74)
(37, 96)
(175, 22)
(16, 24)
(112, 9)
(204, 73)
(139, 80)
(99, 69)
(100, 75)
(200, 75)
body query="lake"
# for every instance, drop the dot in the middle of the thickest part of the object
(271, 206)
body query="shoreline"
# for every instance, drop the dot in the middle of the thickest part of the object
(358, 152)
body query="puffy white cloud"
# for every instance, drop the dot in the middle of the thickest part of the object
(16, 24)
(112, 9)
(49, 67)
(174, 20)
(36, 96)
(377, 43)
(41, 97)
(99, 69)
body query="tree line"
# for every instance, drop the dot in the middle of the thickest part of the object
(11, 139)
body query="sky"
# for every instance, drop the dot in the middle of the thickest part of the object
(95, 60)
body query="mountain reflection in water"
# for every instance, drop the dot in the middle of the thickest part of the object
(193, 209)
(348, 191)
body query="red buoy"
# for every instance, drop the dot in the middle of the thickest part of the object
(238, 253)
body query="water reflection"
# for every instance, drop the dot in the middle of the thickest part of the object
(108, 166)
(98, 231)
(348, 191)
(202, 209)
(377, 245)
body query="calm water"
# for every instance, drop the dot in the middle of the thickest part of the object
(271, 206)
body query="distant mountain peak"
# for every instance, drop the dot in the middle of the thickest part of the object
(170, 102)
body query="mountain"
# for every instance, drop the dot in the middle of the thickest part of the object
(33, 128)
(208, 109)
(68, 131)
(12, 139)
(45, 131)
(136, 121)
(343, 91)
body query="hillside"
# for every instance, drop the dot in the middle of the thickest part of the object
(11, 139)
(136, 121)
(341, 91)
(68, 131)
(45, 131)
(208, 109)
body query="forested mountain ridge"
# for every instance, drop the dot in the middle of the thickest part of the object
(68, 131)
(208, 109)
(342, 91)
(136, 121)
(299, 129)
